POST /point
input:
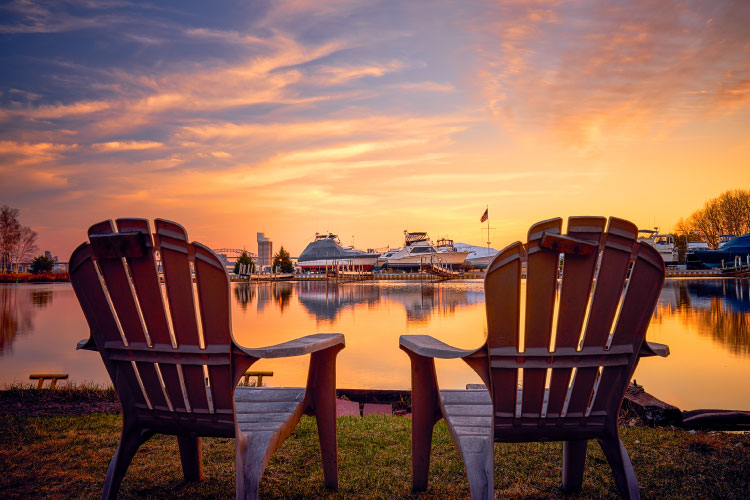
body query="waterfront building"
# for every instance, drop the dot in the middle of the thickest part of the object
(265, 251)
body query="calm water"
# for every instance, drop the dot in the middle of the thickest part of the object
(705, 322)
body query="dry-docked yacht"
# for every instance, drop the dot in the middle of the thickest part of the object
(418, 251)
(663, 243)
(326, 252)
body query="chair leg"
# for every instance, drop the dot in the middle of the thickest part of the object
(190, 456)
(131, 439)
(622, 469)
(574, 460)
(478, 455)
(424, 414)
(323, 380)
(253, 452)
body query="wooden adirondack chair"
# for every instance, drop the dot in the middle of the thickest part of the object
(555, 370)
(172, 359)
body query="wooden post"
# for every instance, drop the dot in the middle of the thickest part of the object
(259, 374)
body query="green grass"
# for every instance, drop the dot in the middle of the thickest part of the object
(67, 457)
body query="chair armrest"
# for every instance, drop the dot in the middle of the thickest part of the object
(653, 349)
(297, 347)
(87, 344)
(425, 345)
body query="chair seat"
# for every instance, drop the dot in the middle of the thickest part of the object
(467, 412)
(266, 409)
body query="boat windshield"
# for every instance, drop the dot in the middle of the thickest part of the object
(664, 239)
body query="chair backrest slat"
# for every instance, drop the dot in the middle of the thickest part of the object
(541, 287)
(503, 296)
(215, 312)
(175, 251)
(146, 283)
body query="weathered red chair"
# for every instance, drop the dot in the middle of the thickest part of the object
(556, 364)
(172, 359)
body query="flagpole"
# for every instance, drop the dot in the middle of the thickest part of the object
(487, 210)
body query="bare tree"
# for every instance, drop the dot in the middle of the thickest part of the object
(17, 242)
(735, 211)
(25, 247)
(727, 214)
(10, 232)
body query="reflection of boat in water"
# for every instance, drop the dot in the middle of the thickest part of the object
(738, 246)
(663, 243)
(421, 302)
(419, 251)
(325, 300)
(326, 252)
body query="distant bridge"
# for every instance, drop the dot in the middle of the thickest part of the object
(233, 253)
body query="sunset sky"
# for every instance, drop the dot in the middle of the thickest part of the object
(368, 118)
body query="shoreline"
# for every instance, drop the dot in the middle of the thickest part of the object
(638, 408)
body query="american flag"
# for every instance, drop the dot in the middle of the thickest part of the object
(485, 215)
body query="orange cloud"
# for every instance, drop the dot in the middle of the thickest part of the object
(127, 145)
(621, 72)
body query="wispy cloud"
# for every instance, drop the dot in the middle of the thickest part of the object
(127, 145)
(593, 73)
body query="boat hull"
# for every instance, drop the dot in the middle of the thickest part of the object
(715, 258)
(346, 263)
(449, 259)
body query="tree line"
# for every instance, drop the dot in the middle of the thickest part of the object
(17, 242)
(729, 213)
(282, 262)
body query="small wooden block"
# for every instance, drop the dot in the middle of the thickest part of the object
(346, 408)
(376, 409)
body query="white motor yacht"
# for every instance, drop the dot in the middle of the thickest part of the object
(326, 252)
(663, 243)
(419, 252)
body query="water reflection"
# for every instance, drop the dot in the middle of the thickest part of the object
(428, 299)
(719, 309)
(244, 294)
(326, 300)
(17, 309)
(282, 293)
(41, 298)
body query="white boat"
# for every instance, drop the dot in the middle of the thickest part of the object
(479, 257)
(663, 243)
(326, 253)
(419, 252)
